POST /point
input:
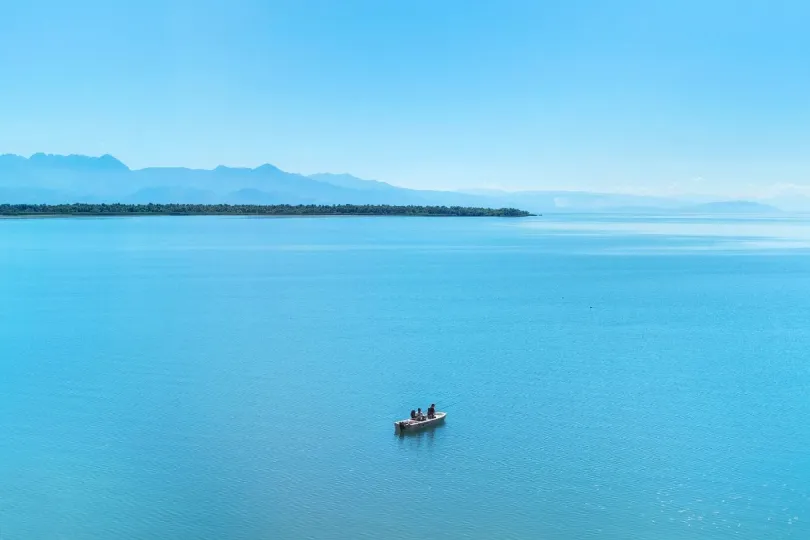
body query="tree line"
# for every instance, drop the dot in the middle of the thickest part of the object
(82, 209)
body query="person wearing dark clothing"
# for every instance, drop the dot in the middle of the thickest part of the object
(413, 414)
(432, 410)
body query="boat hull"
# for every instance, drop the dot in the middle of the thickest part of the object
(412, 425)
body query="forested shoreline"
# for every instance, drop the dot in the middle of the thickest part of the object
(81, 209)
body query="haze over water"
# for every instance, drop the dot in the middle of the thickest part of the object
(611, 377)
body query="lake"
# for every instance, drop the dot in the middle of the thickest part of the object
(610, 377)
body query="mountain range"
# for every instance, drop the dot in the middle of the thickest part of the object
(53, 179)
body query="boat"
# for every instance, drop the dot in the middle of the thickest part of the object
(413, 425)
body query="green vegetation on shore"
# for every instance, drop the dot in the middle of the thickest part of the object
(81, 209)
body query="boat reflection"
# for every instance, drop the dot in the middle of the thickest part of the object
(419, 437)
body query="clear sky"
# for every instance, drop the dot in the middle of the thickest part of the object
(645, 96)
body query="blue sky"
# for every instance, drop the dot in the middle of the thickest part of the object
(640, 96)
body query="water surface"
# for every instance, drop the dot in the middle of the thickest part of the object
(612, 377)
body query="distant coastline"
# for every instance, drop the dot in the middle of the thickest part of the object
(59, 179)
(81, 209)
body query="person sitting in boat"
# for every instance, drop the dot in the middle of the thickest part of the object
(432, 411)
(419, 416)
(413, 414)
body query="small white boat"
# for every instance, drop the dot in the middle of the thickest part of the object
(413, 425)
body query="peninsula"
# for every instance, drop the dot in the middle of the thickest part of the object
(81, 209)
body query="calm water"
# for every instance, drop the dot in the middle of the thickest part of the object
(206, 378)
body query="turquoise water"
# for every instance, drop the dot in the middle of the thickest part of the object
(615, 377)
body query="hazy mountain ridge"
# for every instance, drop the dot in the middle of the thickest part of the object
(55, 179)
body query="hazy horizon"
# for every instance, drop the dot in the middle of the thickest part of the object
(470, 189)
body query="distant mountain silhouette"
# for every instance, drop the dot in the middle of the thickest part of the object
(104, 163)
(53, 179)
(352, 182)
(56, 161)
(45, 178)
